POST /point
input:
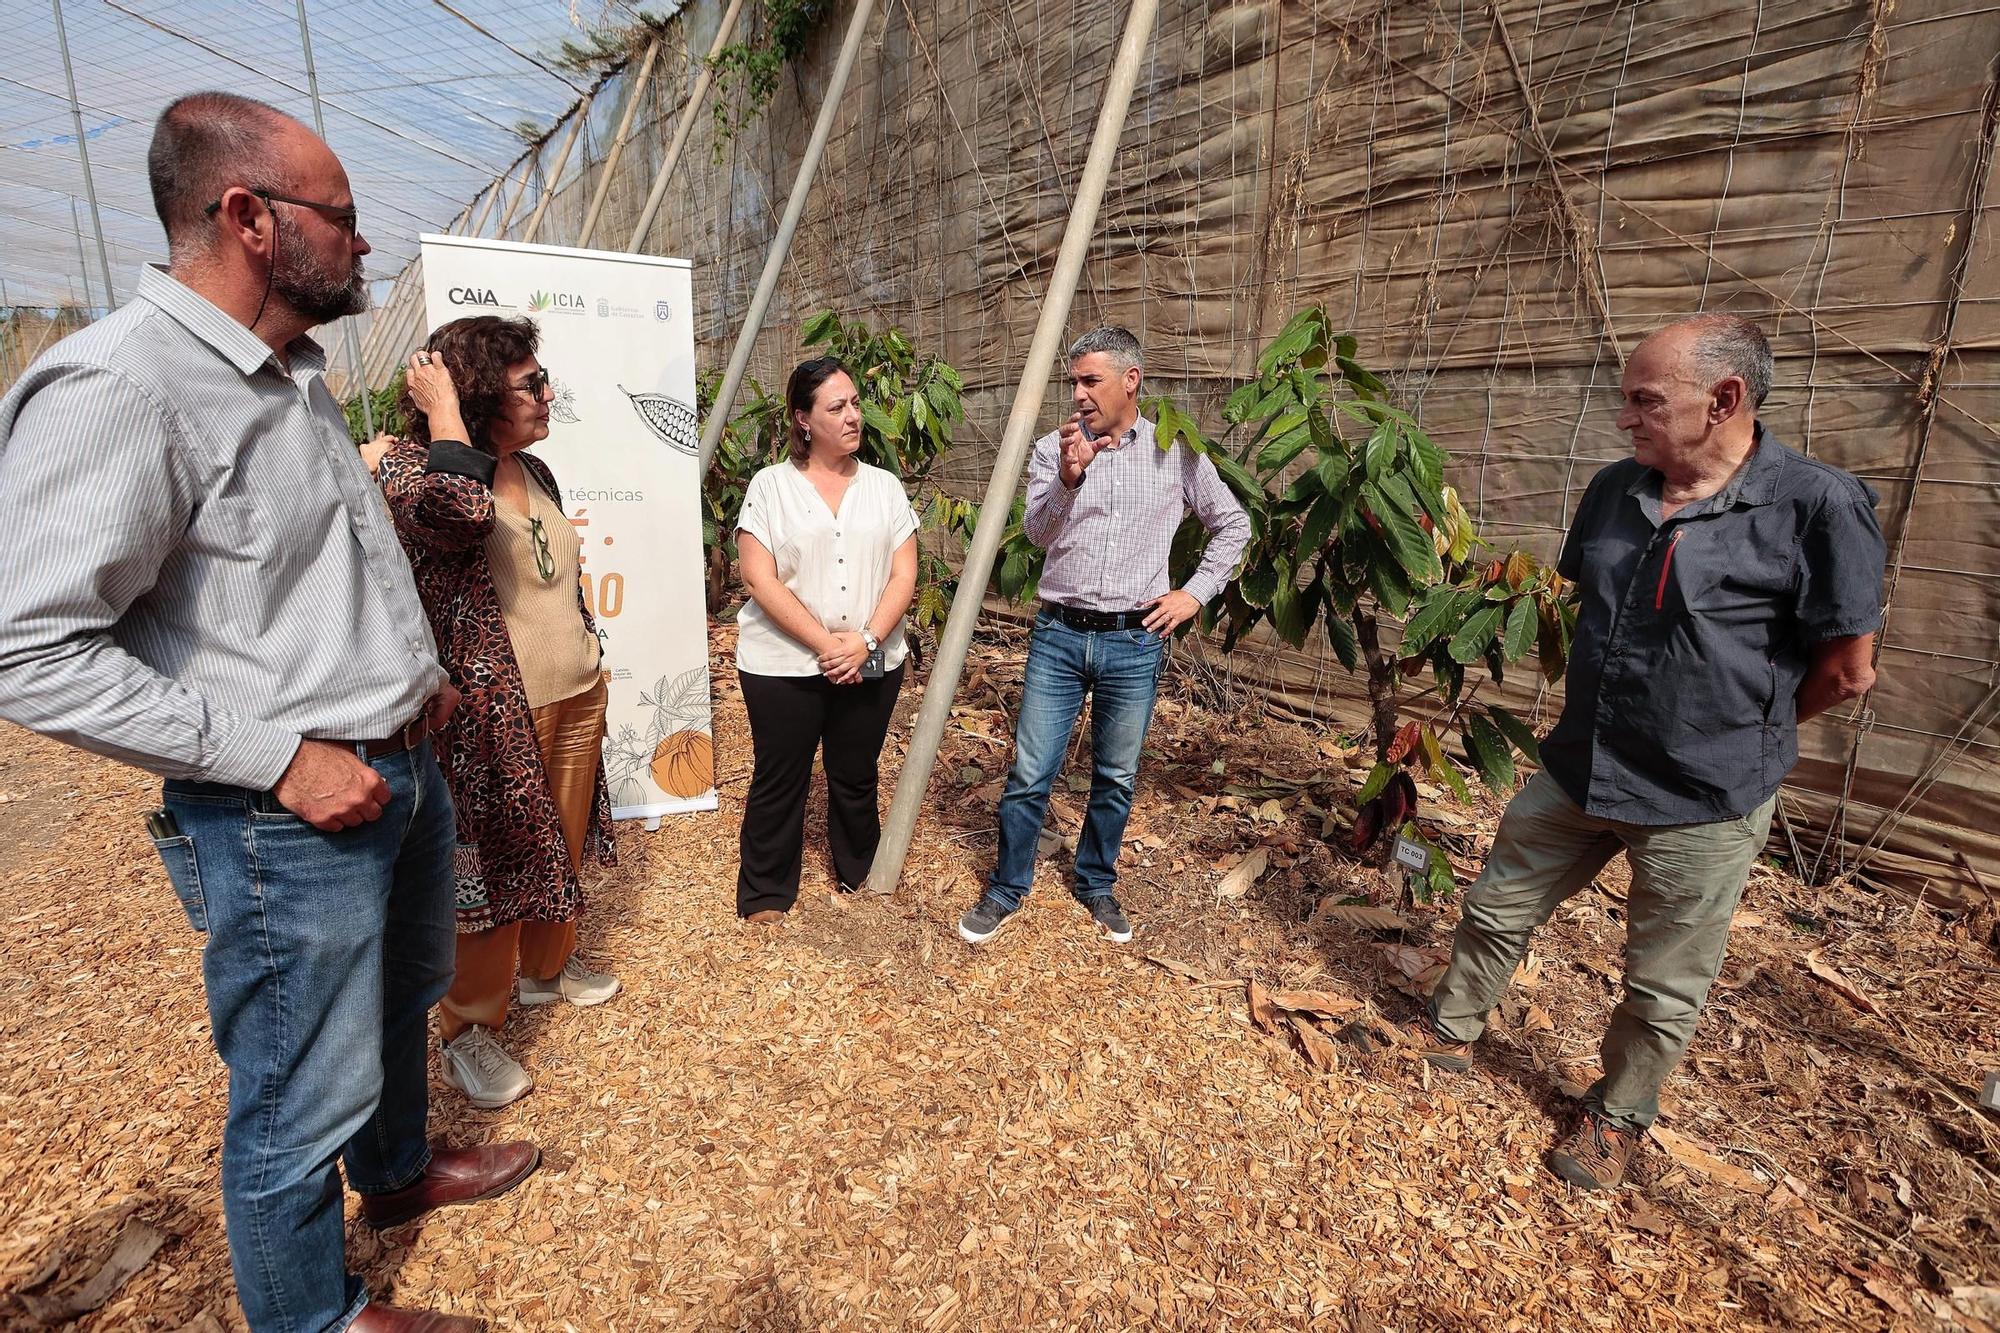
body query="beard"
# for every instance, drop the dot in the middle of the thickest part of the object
(318, 292)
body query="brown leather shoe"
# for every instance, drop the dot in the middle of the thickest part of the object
(1595, 1155)
(455, 1175)
(376, 1318)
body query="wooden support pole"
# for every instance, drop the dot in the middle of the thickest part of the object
(781, 244)
(610, 166)
(696, 97)
(554, 176)
(1015, 442)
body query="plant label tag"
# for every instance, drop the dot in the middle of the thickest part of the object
(1989, 1096)
(1412, 856)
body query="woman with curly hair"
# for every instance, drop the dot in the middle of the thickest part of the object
(497, 565)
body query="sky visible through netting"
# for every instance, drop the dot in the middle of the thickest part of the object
(424, 101)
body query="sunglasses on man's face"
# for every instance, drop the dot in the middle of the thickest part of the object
(342, 216)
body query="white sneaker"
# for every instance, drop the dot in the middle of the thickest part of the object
(490, 1078)
(575, 983)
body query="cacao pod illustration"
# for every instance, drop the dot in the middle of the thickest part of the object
(684, 763)
(668, 418)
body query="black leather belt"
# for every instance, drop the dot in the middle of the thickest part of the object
(406, 737)
(1095, 622)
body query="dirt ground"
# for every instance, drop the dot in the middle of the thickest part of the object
(855, 1121)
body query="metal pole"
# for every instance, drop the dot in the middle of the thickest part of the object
(359, 376)
(617, 147)
(83, 155)
(1014, 443)
(485, 212)
(507, 214)
(82, 257)
(685, 128)
(781, 244)
(554, 176)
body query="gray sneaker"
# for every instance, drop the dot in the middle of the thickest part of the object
(1110, 918)
(475, 1064)
(983, 922)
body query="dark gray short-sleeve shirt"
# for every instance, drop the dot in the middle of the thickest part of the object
(1694, 633)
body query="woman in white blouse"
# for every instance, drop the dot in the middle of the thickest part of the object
(829, 554)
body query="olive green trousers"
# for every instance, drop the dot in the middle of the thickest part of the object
(1686, 880)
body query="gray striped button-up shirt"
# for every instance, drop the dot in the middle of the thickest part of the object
(1109, 539)
(196, 569)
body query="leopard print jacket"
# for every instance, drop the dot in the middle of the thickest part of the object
(511, 863)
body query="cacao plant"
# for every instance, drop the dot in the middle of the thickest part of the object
(1352, 525)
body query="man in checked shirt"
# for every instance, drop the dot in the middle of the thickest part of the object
(1104, 500)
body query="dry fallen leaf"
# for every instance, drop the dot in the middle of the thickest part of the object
(1698, 1158)
(1262, 1012)
(1174, 965)
(1361, 916)
(1244, 873)
(1319, 1050)
(1846, 989)
(1641, 1216)
(1528, 972)
(1326, 1003)
(1415, 970)
(1534, 1020)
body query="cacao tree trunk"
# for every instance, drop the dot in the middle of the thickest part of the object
(1381, 665)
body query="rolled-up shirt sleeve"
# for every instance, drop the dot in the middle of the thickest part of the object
(1228, 528)
(1841, 559)
(92, 483)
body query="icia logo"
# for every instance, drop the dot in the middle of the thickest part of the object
(555, 301)
(472, 296)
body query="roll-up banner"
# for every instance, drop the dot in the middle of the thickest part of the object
(617, 338)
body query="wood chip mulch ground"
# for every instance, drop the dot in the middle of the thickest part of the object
(854, 1121)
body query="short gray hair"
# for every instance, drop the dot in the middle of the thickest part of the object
(1115, 342)
(1725, 345)
(203, 144)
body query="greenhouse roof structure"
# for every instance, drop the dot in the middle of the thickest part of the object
(425, 103)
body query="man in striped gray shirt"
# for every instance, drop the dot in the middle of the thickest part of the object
(1105, 501)
(201, 579)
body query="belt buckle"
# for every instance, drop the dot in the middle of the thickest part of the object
(412, 732)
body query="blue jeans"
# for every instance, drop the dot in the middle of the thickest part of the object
(1120, 671)
(325, 952)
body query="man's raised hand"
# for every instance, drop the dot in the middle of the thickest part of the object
(1077, 451)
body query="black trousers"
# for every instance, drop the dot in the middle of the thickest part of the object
(792, 718)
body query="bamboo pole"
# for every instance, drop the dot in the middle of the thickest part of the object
(781, 244)
(685, 128)
(617, 146)
(1014, 444)
(527, 174)
(352, 336)
(492, 196)
(554, 177)
(83, 156)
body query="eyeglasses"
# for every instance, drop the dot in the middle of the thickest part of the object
(535, 385)
(545, 560)
(343, 216)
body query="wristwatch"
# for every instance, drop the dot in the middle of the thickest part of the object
(869, 640)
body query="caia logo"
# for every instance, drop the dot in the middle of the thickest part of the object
(473, 296)
(555, 301)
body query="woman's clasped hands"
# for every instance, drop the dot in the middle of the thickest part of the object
(842, 659)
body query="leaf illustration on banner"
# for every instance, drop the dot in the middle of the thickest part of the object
(679, 703)
(626, 757)
(669, 418)
(563, 409)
